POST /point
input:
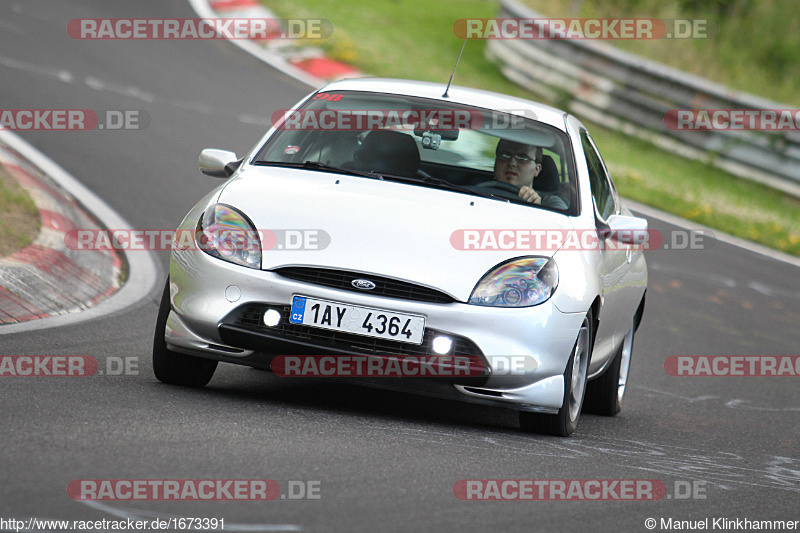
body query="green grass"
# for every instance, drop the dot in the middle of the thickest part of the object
(751, 45)
(20, 217)
(698, 192)
(414, 39)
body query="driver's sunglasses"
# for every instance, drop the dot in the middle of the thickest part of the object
(519, 158)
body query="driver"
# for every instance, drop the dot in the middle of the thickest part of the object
(517, 164)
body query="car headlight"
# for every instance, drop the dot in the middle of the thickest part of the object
(227, 234)
(518, 283)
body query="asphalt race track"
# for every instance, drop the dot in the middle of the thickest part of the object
(384, 461)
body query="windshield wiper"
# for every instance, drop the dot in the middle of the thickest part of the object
(443, 184)
(425, 181)
(316, 165)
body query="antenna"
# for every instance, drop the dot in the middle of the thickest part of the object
(454, 68)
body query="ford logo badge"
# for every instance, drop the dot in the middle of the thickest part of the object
(363, 284)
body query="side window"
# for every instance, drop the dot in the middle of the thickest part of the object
(602, 189)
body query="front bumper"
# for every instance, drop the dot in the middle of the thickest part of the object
(208, 297)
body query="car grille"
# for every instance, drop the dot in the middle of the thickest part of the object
(251, 317)
(388, 287)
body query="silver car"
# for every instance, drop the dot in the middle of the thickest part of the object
(386, 220)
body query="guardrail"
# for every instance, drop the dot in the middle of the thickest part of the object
(627, 93)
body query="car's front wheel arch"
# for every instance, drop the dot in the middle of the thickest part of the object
(173, 367)
(565, 421)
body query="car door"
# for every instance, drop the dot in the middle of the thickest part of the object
(613, 317)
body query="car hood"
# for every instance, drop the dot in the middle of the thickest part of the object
(407, 232)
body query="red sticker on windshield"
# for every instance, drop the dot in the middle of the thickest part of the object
(327, 96)
(290, 150)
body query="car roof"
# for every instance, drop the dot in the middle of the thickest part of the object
(456, 94)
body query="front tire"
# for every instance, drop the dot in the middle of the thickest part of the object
(604, 395)
(565, 422)
(173, 367)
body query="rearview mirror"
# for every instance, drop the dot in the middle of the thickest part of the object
(216, 163)
(626, 229)
(445, 135)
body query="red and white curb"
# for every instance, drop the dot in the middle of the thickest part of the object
(301, 61)
(46, 278)
(50, 296)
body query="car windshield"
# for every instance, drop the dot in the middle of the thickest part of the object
(427, 143)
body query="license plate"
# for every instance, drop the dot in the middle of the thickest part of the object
(365, 321)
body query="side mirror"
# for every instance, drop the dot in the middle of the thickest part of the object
(626, 229)
(217, 163)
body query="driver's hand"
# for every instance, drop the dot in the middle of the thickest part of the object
(529, 195)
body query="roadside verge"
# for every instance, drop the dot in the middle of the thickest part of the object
(307, 64)
(49, 281)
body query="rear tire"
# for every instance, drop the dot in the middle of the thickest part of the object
(565, 422)
(173, 367)
(604, 395)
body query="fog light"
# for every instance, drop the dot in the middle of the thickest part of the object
(272, 317)
(442, 344)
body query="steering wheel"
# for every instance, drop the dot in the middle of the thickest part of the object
(502, 189)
